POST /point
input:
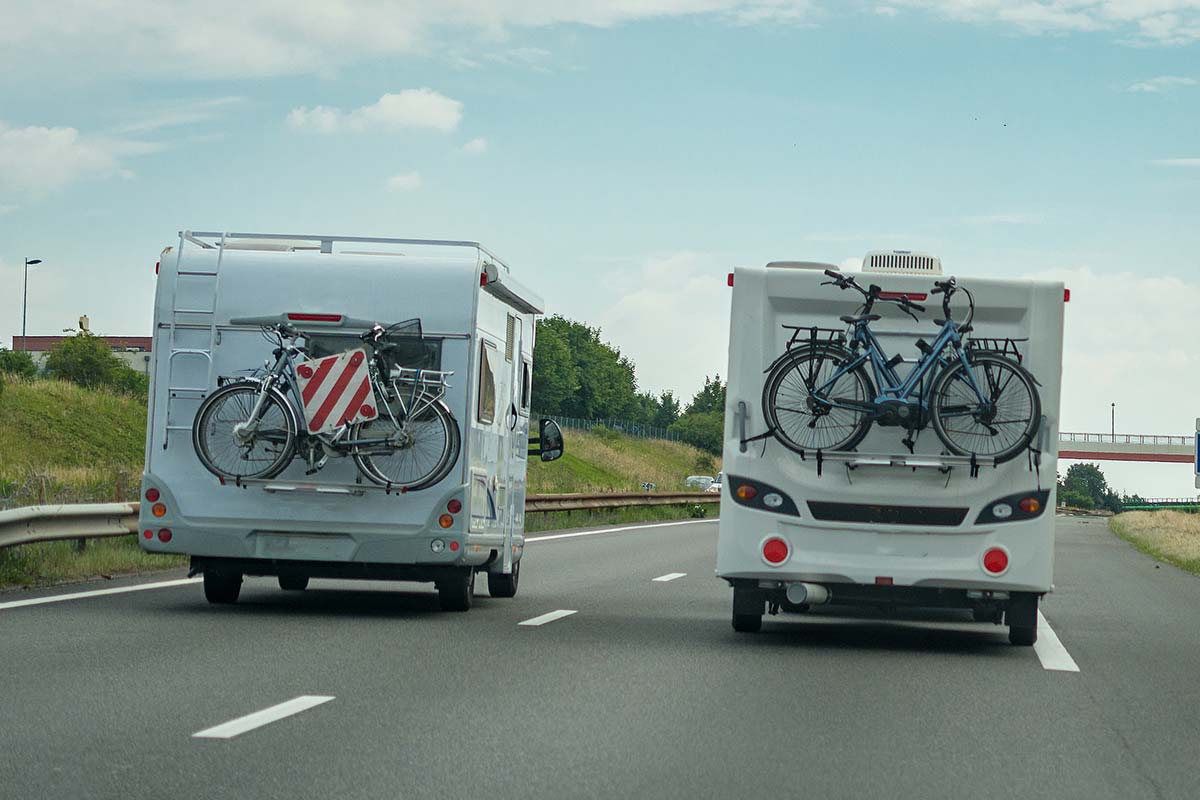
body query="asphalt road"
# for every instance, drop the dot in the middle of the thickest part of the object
(645, 691)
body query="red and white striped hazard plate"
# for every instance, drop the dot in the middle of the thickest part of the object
(336, 390)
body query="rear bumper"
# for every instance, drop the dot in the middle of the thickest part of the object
(338, 570)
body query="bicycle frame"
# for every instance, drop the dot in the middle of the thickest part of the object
(890, 386)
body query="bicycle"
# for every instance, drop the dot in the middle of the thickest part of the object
(396, 427)
(818, 395)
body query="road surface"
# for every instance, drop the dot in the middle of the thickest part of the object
(644, 691)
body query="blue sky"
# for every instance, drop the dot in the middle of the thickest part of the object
(624, 156)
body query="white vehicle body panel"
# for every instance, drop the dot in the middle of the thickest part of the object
(333, 515)
(830, 552)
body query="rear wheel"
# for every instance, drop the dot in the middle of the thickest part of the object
(804, 421)
(418, 453)
(1022, 618)
(1001, 424)
(222, 587)
(457, 592)
(230, 447)
(500, 585)
(748, 602)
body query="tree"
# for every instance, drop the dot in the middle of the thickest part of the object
(17, 362)
(703, 429)
(85, 360)
(1087, 482)
(590, 380)
(710, 398)
(668, 410)
(555, 375)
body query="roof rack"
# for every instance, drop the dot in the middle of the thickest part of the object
(224, 238)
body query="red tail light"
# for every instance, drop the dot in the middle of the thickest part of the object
(315, 317)
(454, 506)
(148, 534)
(164, 535)
(152, 494)
(156, 264)
(1066, 295)
(731, 279)
(775, 551)
(483, 278)
(1030, 505)
(995, 561)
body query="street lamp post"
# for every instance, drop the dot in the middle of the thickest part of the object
(29, 262)
(1113, 421)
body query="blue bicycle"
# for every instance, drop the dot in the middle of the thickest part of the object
(818, 395)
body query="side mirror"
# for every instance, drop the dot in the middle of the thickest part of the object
(549, 444)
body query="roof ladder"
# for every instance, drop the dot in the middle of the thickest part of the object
(193, 317)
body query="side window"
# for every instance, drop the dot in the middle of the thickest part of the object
(486, 413)
(526, 384)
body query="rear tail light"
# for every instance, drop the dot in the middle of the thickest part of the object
(995, 561)
(315, 317)
(148, 534)
(1030, 505)
(445, 520)
(454, 506)
(158, 510)
(164, 535)
(1066, 295)
(731, 279)
(454, 547)
(747, 492)
(775, 551)
(152, 494)
(483, 279)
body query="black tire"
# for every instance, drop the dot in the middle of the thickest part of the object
(270, 450)
(1021, 616)
(293, 583)
(1018, 411)
(416, 466)
(803, 424)
(500, 585)
(458, 592)
(222, 588)
(748, 602)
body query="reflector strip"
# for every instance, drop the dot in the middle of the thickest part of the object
(314, 383)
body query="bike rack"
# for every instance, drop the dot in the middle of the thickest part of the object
(276, 486)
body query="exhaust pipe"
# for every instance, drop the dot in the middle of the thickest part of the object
(811, 593)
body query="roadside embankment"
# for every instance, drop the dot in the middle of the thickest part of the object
(1170, 536)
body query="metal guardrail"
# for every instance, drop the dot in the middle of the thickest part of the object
(1126, 438)
(79, 521)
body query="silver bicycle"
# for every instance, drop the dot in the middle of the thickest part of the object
(253, 427)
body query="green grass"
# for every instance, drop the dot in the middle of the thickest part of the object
(611, 462)
(58, 562)
(1170, 536)
(559, 520)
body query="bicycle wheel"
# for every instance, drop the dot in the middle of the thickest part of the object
(418, 453)
(229, 451)
(1002, 424)
(801, 421)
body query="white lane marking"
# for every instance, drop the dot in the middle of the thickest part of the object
(59, 598)
(670, 576)
(614, 530)
(549, 617)
(236, 727)
(1050, 650)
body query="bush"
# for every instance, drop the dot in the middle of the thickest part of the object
(1076, 499)
(131, 382)
(84, 360)
(705, 465)
(17, 362)
(703, 429)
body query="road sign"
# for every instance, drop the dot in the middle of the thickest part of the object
(1196, 454)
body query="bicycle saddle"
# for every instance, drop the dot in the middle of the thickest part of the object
(860, 318)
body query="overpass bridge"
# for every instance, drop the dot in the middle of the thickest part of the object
(1127, 447)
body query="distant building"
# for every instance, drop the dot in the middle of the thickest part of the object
(133, 350)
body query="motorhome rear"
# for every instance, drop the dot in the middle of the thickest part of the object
(899, 517)
(459, 330)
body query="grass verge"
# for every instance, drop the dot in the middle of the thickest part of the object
(559, 520)
(1170, 536)
(48, 563)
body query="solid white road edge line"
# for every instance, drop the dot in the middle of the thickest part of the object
(670, 576)
(1050, 650)
(236, 727)
(549, 617)
(59, 598)
(614, 530)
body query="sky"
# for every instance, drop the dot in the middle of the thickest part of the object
(624, 156)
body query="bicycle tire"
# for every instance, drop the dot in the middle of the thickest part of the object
(995, 367)
(214, 441)
(788, 377)
(385, 470)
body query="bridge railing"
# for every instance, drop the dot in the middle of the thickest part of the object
(1126, 438)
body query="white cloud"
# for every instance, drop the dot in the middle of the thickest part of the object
(1161, 84)
(7, 209)
(1115, 351)
(476, 147)
(404, 182)
(1176, 162)
(36, 160)
(886, 11)
(1157, 22)
(410, 108)
(196, 40)
(179, 113)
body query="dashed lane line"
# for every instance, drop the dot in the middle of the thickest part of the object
(59, 598)
(1050, 650)
(548, 617)
(670, 576)
(236, 727)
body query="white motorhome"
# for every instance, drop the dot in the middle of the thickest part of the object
(340, 407)
(877, 457)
